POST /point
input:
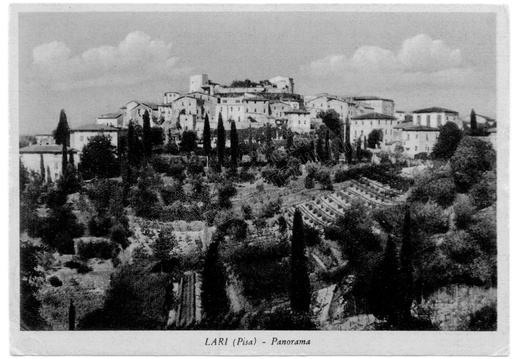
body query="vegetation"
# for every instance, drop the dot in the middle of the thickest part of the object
(300, 294)
(97, 159)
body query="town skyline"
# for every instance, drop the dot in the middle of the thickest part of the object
(418, 60)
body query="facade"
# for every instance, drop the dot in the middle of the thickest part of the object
(188, 105)
(198, 82)
(171, 96)
(400, 115)
(434, 117)
(135, 111)
(285, 84)
(256, 105)
(111, 119)
(419, 139)
(278, 108)
(299, 121)
(380, 105)
(45, 139)
(80, 136)
(361, 126)
(32, 156)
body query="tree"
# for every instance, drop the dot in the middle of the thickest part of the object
(147, 135)
(268, 135)
(64, 160)
(135, 146)
(60, 228)
(214, 298)
(72, 315)
(62, 132)
(374, 138)
(300, 288)
(470, 161)
(206, 136)
(327, 146)
(406, 266)
(98, 159)
(449, 138)
(320, 152)
(42, 168)
(163, 246)
(331, 119)
(289, 140)
(188, 141)
(221, 140)
(71, 158)
(385, 297)
(233, 136)
(30, 317)
(473, 122)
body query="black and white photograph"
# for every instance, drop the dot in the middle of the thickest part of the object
(262, 179)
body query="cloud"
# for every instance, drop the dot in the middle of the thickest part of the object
(135, 60)
(420, 61)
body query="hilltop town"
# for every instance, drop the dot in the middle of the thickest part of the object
(250, 206)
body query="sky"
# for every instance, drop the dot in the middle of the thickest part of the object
(90, 63)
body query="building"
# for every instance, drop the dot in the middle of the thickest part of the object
(299, 121)
(199, 82)
(114, 119)
(482, 121)
(361, 126)
(135, 110)
(400, 115)
(50, 156)
(171, 96)
(45, 139)
(379, 105)
(344, 108)
(434, 117)
(277, 108)
(284, 84)
(419, 139)
(80, 136)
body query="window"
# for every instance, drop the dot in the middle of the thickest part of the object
(416, 136)
(426, 137)
(378, 122)
(438, 118)
(419, 118)
(416, 148)
(299, 122)
(408, 136)
(80, 138)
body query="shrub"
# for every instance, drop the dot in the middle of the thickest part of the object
(470, 161)
(483, 231)
(484, 193)
(312, 236)
(323, 176)
(430, 218)
(84, 269)
(247, 211)
(99, 226)
(72, 264)
(55, 281)
(484, 319)
(441, 190)
(95, 249)
(172, 193)
(118, 235)
(464, 211)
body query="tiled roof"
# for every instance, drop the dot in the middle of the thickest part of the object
(435, 110)
(297, 111)
(404, 124)
(370, 98)
(94, 127)
(421, 128)
(374, 116)
(111, 115)
(43, 149)
(255, 99)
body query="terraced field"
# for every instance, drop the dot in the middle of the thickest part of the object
(324, 210)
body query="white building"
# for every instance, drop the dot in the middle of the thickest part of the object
(361, 126)
(114, 119)
(135, 110)
(434, 117)
(299, 121)
(45, 139)
(285, 84)
(51, 156)
(419, 139)
(198, 82)
(80, 136)
(380, 105)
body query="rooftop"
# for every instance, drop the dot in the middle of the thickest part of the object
(374, 116)
(297, 111)
(435, 110)
(94, 127)
(421, 128)
(370, 98)
(43, 149)
(111, 115)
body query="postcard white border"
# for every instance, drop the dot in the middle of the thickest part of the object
(322, 342)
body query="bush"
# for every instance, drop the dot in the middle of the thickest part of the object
(173, 193)
(95, 249)
(118, 235)
(439, 189)
(312, 236)
(84, 269)
(309, 182)
(99, 226)
(484, 319)
(470, 161)
(430, 218)
(484, 193)
(55, 281)
(247, 211)
(483, 231)
(464, 211)
(323, 176)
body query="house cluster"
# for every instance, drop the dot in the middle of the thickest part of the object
(255, 105)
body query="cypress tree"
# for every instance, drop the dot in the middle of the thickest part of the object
(64, 160)
(364, 142)
(313, 151)
(147, 135)
(42, 168)
(300, 288)
(62, 132)
(221, 140)
(327, 146)
(473, 122)
(234, 143)
(319, 150)
(214, 298)
(268, 135)
(406, 266)
(72, 315)
(385, 298)
(49, 177)
(71, 158)
(206, 136)
(290, 140)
